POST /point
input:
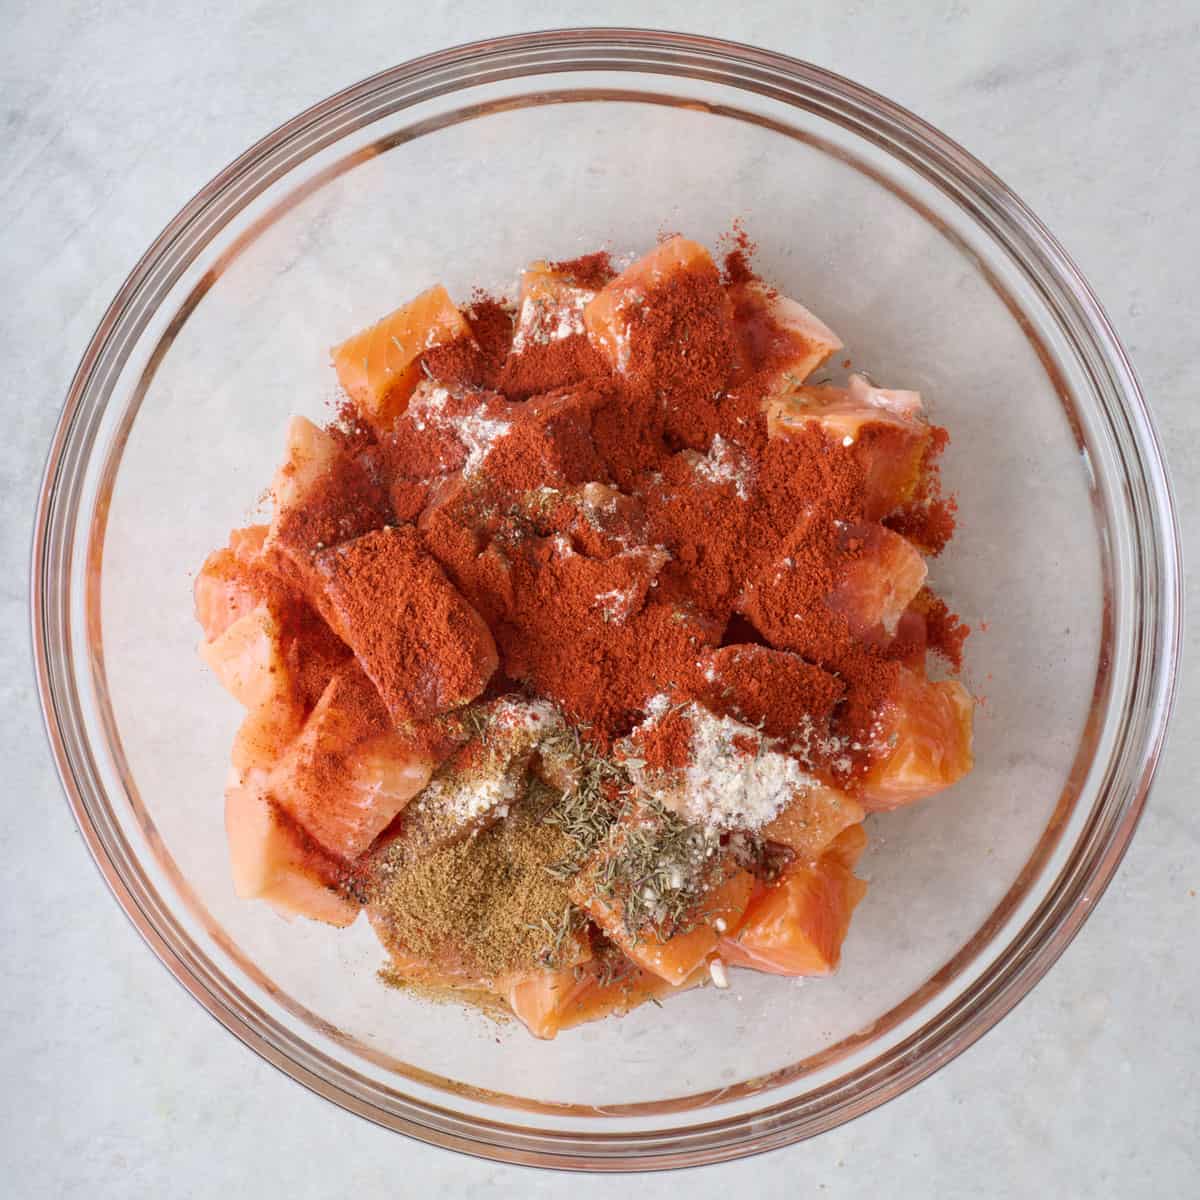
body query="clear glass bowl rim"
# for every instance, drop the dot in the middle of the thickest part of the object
(1158, 564)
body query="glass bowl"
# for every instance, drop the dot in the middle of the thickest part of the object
(461, 167)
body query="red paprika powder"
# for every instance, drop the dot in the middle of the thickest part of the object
(621, 523)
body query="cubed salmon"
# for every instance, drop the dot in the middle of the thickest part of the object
(672, 957)
(232, 582)
(923, 742)
(239, 578)
(798, 924)
(270, 860)
(380, 366)
(779, 336)
(813, 820)
(888, 443)
(878, 579)
(223, 592)
(420, 642)
(547, 1002)
(309, 453)
(324, 495)
(248, 659)
(607, 316)
(551, 307)
(349, 772)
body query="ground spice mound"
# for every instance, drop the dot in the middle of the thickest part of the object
(928, 519)
(718, 522)
(682, 347)
(769, 689)
(543, 366)
(421, 643)
(348, 500)
(591, 271)
(738, 259)
(704, 522)
(477, 360)
(665, 744)
(586, 633)
(630, 440)
(944, 631)
(548, 444)
(486, 905)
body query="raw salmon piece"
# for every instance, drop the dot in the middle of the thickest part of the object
(924, 739)
(247, 544)
(222, 593)
(231, 582)
(607, 316)
(912, 633)
(848, 846)
(797, 925)
(349, 772)
(550, 349)
(380, 366)
(309, 452)
(813, 820)
(772, 689)
(676, 958)
(551, 307)
(247, 658)
(325, 494)
(539, 998)
(540, 281)
(246, 574)
(264, 734)
(779, 335)
(418, 970)
(879, 581)
(547, 1002)
(392, 604)
(249, 662)
(269, 860)
(889, 444)
(899, 402)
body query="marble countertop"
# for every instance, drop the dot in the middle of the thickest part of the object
(117, 1083)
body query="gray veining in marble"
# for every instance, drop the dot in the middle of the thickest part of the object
(116, 1083)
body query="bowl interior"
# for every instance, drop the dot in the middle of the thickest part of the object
(465, 186)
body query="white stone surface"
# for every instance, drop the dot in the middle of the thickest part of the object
(115, 1082)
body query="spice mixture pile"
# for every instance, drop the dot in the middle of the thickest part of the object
(580, 644)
